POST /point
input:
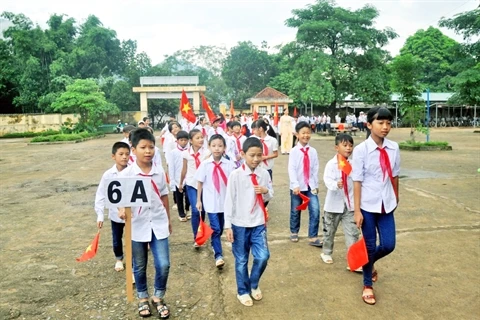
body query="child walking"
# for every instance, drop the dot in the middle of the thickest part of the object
(303, 173)
(151, 227)
(339, 200)
(212, 175)
(269, 144)
(192, 157)
(175, 165)
(376, 166)
(120, 154)
(246, 219)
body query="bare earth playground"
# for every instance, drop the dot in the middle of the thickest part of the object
(47, 220)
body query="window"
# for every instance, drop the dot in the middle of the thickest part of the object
(280, 109)
(262, 109)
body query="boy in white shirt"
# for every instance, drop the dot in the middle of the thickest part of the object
(151, 226)
(238, 139)
(120, 154)
(249, 186)
(339, 200)
(303, 173)
(212, 175)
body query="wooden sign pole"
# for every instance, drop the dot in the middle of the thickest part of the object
(128, 253)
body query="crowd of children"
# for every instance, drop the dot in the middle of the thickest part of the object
(228, 175)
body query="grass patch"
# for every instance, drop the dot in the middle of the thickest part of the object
(29, 134)
(67, 137)
(424, 144)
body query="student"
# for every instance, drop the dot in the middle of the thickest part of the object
(141, 124)
(270, 145)
(303, 173)
(151, 226)
(126, 133)
(203, 127)
(120, 154)
(212, 177)
(245, 220)
(192, 157)
(237, 139)
(339, 200)
(376, 166)
(175, 166)
(216, 128)
(169, 144)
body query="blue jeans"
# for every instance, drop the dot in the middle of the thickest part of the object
(244, 239)
(192, 198)
(117, 234)
(161, 260)
(313, 211)
(385, 225)
(216, 223)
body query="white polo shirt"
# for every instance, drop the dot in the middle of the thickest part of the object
(366, 168)
(336, 200)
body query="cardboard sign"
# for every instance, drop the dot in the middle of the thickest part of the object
(128, 192)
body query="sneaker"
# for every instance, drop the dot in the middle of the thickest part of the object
(182, 219)
(219, 263)
(174, 207)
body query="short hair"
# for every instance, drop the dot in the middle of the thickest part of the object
(119, 145)
(301, 125)
(200, 120)
(252, 142)
(193, 133)
(171, 124)
(217, 137)
(149, 129)
(343, 137)
(128, 128)
(379, 113)
(145, 118)
(234, 124)
(182, 134)
(141, 134)
(261, 124)
(254, 125)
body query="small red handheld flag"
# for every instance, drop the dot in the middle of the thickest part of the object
(255, 115)
(295, 112)
(343, 164)
(357, 255)
(275, 116)
(304, 204)
(186, 109)
(203, 233)
(91, 250)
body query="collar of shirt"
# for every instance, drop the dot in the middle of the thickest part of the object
(136, 169)
(246, 170)
(372, 145)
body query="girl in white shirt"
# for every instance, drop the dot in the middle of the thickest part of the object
(192, 157)
(212, 175)
(270, 145)
(376, 166)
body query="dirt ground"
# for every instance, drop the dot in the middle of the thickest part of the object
(47, 219)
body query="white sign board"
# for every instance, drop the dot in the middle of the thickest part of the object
(128, 192)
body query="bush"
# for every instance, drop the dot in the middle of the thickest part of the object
(29, 134)
(66, 137)
(426, 144)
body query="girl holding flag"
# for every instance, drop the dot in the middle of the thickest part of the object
(376, 166)
(212, 185)
(339, 200)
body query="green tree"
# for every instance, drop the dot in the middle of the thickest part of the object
(406, 81)
(85, 98)
(345, 37)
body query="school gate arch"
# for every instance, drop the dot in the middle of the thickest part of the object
(168, 88)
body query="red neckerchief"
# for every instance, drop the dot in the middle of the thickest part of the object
(196, 156)
(259, 197)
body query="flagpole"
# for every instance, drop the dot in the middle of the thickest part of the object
(128, 253)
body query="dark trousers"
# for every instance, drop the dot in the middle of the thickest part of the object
(181, 198)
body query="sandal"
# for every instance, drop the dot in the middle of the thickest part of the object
(162, 309)
(119, 266)
(368, 298)
(316, 243)
(245, 300)
(294, 237)
(374, 276)
(142, 307)
(182, 219)
(257, 294)
(326, 258)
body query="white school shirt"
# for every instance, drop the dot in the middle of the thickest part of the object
(157, 158)
(146, 219)
(366, 169)
(125, 139)
(241, 139)
(191, 167)
(175, 166)
(100, 197)
(211, 131)
(295, 168)
(272, 145)
(336, 200)
(212, 200)
(241, 207)
(230, 148)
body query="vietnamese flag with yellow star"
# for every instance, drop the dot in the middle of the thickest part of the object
(186, 109)
(91, 250)
(343, 164)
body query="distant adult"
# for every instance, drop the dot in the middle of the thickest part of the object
(285, 129)
(146, 120)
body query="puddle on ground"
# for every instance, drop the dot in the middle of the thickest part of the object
(421, 174)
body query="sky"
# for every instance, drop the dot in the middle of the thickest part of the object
(162, 27)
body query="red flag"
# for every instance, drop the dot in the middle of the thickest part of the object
(186, 109)
(343, 164)
(357, 255)
(206, 107)
(275, 115)
(295, 112)
(91, 250)
(304, 204)
(203, 233)
(255, 115)
(232, 111)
